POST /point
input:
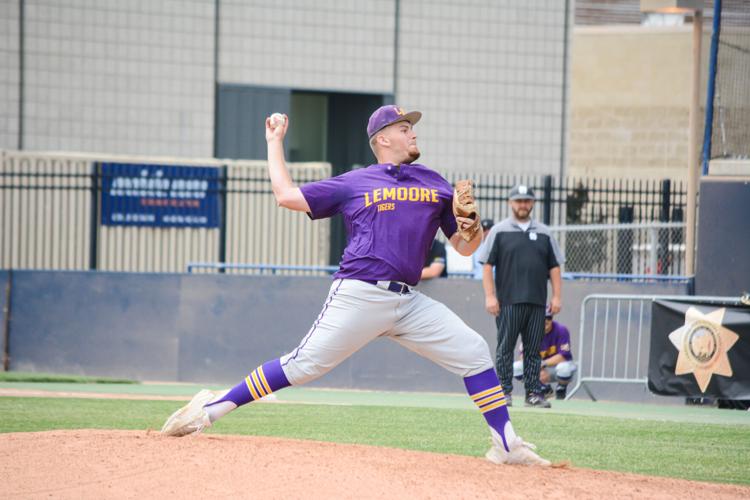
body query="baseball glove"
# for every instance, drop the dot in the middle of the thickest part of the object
(464, 205)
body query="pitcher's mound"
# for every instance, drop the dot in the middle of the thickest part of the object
(140, 464)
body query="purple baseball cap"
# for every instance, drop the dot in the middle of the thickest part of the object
(387, 115)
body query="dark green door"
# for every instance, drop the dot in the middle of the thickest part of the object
(348, 147)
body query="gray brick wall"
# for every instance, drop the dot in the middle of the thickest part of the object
(9, 74)
(488, 76)
(119, 77)
(137, 77)
(308, 44)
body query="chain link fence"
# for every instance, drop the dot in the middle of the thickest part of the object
(645, 249)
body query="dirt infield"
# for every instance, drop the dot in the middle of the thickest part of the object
(144, 464)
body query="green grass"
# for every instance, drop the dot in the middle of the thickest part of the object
(68, 379)
(689, 450)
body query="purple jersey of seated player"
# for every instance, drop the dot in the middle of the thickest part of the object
(392, 214)
(557, 341)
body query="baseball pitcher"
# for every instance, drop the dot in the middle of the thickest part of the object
(392, 211)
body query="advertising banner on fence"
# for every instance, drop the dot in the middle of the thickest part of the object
(159, 195)
(699, 349)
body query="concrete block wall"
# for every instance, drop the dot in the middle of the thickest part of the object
(138, 77)
(9, 74)
(488, 76)
(333, 45)
(119, 77)
(630, 101)
(653, 139)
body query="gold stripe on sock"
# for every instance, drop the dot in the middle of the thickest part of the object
(489, 400)
(489, 397)
(251, 388)
(482, 394)
(493, 406)
(257, 383)
(263, 380)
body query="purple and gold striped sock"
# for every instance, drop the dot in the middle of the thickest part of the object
(264, 380)
(487, 393)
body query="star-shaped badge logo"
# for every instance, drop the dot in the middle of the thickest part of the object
(703, 344)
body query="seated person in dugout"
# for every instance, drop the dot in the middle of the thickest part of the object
(435, 265)
(557, 360)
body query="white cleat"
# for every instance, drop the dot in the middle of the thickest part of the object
(191, 418)
(521, 453)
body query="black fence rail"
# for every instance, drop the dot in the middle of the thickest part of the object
(67, 212)
(574, 200)
(52, 216)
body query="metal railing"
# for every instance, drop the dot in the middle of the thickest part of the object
(581, 200)
(51, 211)
(51, 206)
(645, 249)
(628, 277)
(278, 269)
(274, 269)
(614, 338)
(195, 267)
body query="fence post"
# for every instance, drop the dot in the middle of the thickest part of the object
(653, 241)
(94, 221)
(547, 199)
(625, 242)
(223, 184)
(678, 238)
(664, 236)
(666, 192)
(6, 323)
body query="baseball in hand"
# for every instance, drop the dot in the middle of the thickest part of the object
(277, 120)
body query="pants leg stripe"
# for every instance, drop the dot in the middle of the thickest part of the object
(315, 325)
(532, 338)
(510, 323)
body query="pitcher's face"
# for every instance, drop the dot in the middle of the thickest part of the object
(402, 141)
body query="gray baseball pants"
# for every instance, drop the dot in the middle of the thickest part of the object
(356, 312)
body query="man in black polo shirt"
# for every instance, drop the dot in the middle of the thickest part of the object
(524, 255)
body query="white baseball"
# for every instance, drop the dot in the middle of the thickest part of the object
(277, 120)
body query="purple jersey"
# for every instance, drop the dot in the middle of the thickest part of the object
(557, 341)
(391, 215)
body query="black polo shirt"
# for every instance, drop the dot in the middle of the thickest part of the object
(522, 261)
(437, 255)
